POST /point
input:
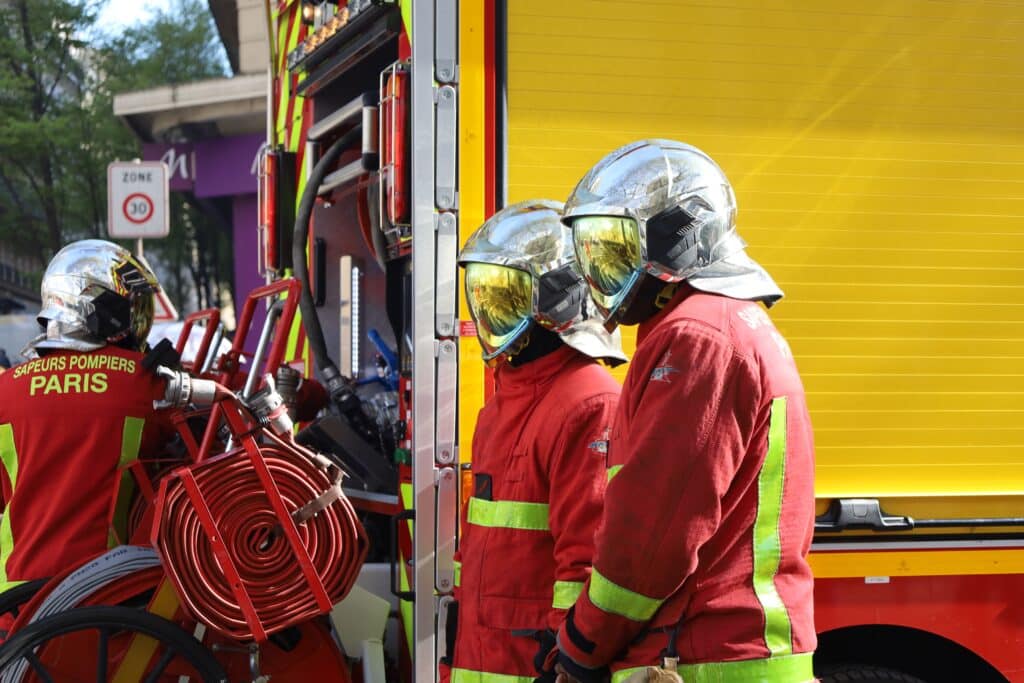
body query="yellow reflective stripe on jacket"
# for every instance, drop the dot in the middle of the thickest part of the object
(566, 593)
(457, 566)
(469, 676)
(508, 514)
(785, 669)
(131, 440)
(131, 443)
(767, 544)
(613, 470)
(614, 599)
(9, 456)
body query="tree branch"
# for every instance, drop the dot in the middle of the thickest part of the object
(61, 66)
(26, 34)
(12, 191)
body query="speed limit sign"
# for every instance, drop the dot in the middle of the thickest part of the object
(137, 199)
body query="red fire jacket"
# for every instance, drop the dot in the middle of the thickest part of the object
(68, 421)
(527, 533)
(709, 511)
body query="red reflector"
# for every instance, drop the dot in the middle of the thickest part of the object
(394, 145)
(269, 259)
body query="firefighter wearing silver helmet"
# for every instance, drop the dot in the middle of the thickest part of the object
(95, 293)
(700, 560)
(521, 281)
(660, 211)
(538, 447)
(73, 416)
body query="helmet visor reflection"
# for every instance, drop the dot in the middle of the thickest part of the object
(608, 254)
(501, 303)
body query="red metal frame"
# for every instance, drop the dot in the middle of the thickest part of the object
(244, 433)
(212, 318)
(230, 362)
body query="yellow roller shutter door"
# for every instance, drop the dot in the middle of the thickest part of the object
(877, 151)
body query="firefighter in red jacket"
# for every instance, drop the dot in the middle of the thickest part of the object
(539, 445)
(701, 556)
(77, 412)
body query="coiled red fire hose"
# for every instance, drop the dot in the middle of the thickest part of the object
(246, 580)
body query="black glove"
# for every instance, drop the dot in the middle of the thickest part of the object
(546, 643)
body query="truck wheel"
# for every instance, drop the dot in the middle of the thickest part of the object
(86, 644)
(855, 673)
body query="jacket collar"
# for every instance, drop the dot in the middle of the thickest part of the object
(535, 373)
(649, 325)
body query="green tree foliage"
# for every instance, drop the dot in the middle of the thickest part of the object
(175, 46)
(59, 72)
(50, 137)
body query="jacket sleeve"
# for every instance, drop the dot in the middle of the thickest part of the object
(159, 427)
(577, 477)
(686, 436)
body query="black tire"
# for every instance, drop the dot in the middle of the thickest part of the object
(176, 643)
(855, 673)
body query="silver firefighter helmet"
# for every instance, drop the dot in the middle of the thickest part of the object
(520, 272)
(666, 209)
(95, 292)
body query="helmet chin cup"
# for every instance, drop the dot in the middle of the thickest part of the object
(512, 346)
(611, 312)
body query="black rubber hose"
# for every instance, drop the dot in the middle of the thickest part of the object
(337, 386)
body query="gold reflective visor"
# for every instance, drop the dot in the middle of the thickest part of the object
(608, 255)
(501, 303)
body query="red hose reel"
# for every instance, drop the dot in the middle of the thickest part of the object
(260, 538)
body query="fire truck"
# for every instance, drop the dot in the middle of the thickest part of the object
(877, 155)
(876, 152)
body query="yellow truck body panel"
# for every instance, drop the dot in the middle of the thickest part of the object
(877, 153)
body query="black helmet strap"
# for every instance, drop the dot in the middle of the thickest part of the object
(111, 316)
(652, 295)
(672, 238)
(541, 342)
(561, 294)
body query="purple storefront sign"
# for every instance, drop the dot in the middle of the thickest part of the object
(210, 168)
(227, 166)
(224, 167)
(180, 160)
